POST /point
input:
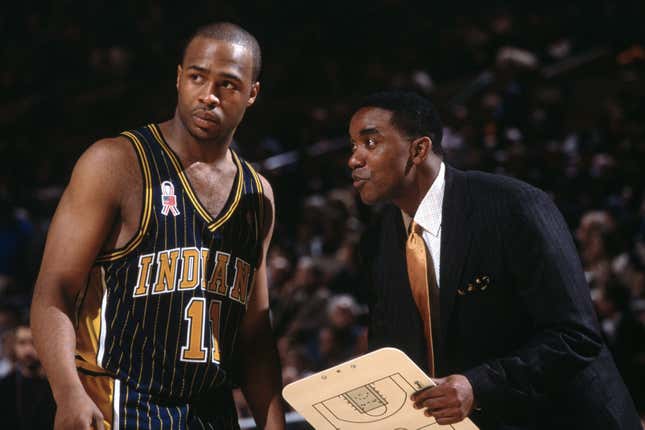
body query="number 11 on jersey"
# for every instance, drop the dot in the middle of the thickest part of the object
(198, 326)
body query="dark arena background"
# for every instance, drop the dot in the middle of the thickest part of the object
(552, 93)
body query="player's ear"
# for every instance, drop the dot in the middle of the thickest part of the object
(255, 90)
(179, 71)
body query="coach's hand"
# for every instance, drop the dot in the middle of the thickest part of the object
(450, 401)
(76, 411)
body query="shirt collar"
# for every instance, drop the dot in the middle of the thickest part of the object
(428, 214)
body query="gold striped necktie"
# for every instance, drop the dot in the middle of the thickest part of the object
(418, 260)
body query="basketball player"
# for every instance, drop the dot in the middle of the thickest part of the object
(152, 294)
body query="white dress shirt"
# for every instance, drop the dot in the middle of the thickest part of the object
(428, 216)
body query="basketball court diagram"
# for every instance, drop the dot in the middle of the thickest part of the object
(369, 392)
(368, 403)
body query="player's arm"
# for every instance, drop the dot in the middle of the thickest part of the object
(261, 374)
(80, 226)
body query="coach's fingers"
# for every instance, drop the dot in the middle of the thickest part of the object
(454, 416)
(445, 416)
(433, 397)
(426, 393)
(438, 404)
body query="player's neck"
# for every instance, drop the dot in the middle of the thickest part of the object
(192, 150)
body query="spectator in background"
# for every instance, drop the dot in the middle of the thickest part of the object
(595, 235)
(9, 318)
(625, 336)
(300, 309)
(26, 401)
(17, 250)
(337, 339)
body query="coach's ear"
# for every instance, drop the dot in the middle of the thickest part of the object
(419, 149)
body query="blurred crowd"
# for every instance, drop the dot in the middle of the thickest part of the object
(535, 92)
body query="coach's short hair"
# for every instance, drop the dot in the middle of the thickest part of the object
(232, 33)
(413, 115)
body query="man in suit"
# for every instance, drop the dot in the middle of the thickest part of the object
(513, 340)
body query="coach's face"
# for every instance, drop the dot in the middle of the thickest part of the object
(379, 156)
(214, 87)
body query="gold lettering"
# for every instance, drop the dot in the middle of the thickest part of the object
(205, 253)
(166, 271)
(141, 289)
(190, 275)
(241, 281)
(218, 282)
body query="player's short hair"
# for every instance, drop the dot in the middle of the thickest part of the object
(232, 33)
(413, 115)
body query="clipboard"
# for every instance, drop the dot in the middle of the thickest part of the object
(369, 392)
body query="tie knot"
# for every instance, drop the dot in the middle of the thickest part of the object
(415, 228)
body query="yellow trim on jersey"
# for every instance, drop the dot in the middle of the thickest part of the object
(101, 391)
(213, 224)
(258, 184)
(88, 323)
(147, 205)
(238, 195)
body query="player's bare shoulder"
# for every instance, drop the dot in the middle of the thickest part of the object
(96, 167)
(112, 162)
(108, 171)
(111, 158)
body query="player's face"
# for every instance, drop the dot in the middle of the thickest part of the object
(214, 87)
(379, 156)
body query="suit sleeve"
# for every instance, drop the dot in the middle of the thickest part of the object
(548, 280)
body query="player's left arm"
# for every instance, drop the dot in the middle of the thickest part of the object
(261, 376)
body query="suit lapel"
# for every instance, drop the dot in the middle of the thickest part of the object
(455, 242)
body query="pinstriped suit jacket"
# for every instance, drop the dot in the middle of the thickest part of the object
(516, 313)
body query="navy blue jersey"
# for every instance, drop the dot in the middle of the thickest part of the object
(162, 313)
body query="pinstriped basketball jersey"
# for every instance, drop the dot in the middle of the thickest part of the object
(162, 313)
